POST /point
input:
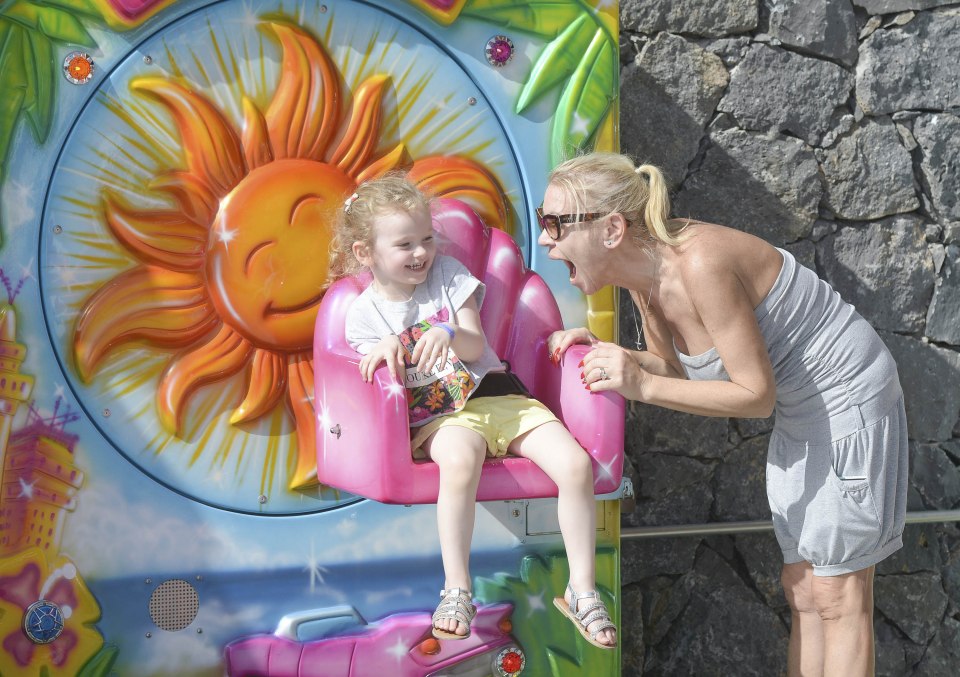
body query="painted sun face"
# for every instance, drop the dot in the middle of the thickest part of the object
(233, 274)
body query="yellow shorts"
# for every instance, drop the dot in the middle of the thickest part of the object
(498, 420)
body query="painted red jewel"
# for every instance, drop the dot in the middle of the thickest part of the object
(499, 50)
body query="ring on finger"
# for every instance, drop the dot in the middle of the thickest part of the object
(603, 374)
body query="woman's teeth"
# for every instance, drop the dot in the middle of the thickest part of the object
(415, 266)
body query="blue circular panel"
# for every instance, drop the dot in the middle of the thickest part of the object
(146, 331)
(43, 622)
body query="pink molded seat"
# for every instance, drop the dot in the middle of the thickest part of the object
(362, 428)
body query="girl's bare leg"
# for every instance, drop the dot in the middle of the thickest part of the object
(459, 452)
(553, 448)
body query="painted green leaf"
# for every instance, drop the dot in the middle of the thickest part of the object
(542, 17)
(53, 22)
(585, 99)
(13, 84)
(100, 663)
(87, 8)
(558, 60)
(40, 71)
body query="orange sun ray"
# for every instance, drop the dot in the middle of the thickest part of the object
(192, 195)
(266, 388)
(304, 112)
(398, 157)
(256, 138)
(462, 178)
(210, 143)
(166, 239)
(223, 355)
(300, 390)
(163, 307)
(362, 135)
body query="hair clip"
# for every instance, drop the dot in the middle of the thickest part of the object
(349, 202)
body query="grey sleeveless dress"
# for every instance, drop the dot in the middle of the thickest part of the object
(837, 459)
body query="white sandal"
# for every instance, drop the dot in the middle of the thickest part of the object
(456, 604)
(596, 611)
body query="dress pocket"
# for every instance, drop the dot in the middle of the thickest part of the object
(842, 522)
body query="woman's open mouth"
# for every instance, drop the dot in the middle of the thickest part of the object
(415, 267)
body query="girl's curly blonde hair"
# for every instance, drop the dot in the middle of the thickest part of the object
(390, 193)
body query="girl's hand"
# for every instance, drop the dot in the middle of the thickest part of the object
(389, 350)
(560, 340)
(610, 367)
(432, 349)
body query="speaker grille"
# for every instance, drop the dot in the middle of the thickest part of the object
(174, 605)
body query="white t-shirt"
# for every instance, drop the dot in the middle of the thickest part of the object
(437, 299)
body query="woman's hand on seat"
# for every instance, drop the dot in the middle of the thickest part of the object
(560, 340)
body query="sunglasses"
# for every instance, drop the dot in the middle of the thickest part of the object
(552, 223)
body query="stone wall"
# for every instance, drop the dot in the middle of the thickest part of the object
(831, 128)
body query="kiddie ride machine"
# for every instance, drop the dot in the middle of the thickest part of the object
(195, 480)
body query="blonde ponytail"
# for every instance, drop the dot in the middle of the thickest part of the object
(609, 182)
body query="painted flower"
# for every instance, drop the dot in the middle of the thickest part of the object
(27, 577)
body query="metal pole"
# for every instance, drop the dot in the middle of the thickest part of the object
(719, 528)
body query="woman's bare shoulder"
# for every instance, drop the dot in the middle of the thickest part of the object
(711, 250)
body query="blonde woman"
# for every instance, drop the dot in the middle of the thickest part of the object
(736, 327)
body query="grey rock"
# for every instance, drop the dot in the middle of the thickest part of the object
(710, 19)
(631, 642)
(914, 603)
(671, 490)
(888, 6)
(911, 67)
(906, 136)
(642, 558)
(763, 558)
(933, 233)
(939, 139)
(730, 50)
(773, 89)
(920, 552)
(891, 660)
(872, 24)
(751, 427)
(901, 19)
(667, 97)
(821, 27)
(821, 229)
(763, 184)
(869, 174)
(805, 252)
(844, 124)
(943, 655)
(931, 411)
(951, 233)
(943, 318)
(710, 631)
(655, 429)
(663, 600)
(935, 477)
(939, 255)
(884, 269)
(740, 491)
(951, 576)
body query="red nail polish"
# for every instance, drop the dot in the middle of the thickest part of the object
(588, 388)
(581, 363)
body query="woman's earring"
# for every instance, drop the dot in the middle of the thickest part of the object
(608, 242)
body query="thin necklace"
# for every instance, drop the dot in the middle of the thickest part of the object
(641, 343)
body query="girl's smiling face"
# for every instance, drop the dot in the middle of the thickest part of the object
(403, 249)
(579, 245)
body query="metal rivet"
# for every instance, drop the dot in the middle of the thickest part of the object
(148, 581)
(106, 413)
(58, 229)
(199, 631)
(147, 59)
(199, 578)
(335, 430)
(516, 513)
(472, 101)
(323, 9)
(148, 635)
(262, 498)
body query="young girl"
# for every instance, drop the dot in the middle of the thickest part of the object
(418, 295)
